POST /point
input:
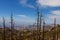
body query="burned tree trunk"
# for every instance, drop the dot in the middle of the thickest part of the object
(4, 28)
(57, 35)
(54, 31)
(39, 21)
(37, 24)
(16, 33)
(43, 30)
(34, 32)
(12, 28)
(40, 26)
(20, 36)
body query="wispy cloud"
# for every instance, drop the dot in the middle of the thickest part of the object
(55, 14)
(25, 4)
(24, 19)
(24, 16)
(52, 3)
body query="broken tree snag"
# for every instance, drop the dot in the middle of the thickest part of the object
(4, 28)
(12, 27)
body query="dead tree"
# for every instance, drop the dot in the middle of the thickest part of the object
(34, 33)
(54, 31)
(4, 28)
(57, 33)
(49, 34)
(12, 27)
(39, 21)
(43, 30)
(40, 25)
(16, 32)
(23, 33)
(20, 35)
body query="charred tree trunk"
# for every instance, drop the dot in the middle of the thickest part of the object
(40, 26)
(39, 21)
(4, 28)
(43, 30)
(54, 31)
(37, 25)
(20, 36)
(57, 34)
(49, 34)
(16, 33)
(12, 28)
(34, 33)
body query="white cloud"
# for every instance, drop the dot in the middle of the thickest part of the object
(30, 6)
(52, 16)
(24, 19)
(25, 4)
(55, 14)
(49, 2)
(24, 16)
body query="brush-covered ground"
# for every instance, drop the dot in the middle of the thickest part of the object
(27, 34)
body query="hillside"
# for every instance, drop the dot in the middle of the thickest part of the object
(27, 34)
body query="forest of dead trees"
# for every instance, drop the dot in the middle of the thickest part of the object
(40, 34)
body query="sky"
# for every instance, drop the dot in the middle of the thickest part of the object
(24, 11)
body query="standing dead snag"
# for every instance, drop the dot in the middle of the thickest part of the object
(43, 30)
(49, 34)
(12, 28)
(33, 32)
(16, 32)
(57, 33)
(20, 38)
(54, 31)
(39, 21)
(4, 28)
(40, 25)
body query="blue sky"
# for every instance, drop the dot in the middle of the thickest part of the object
(24, 11)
